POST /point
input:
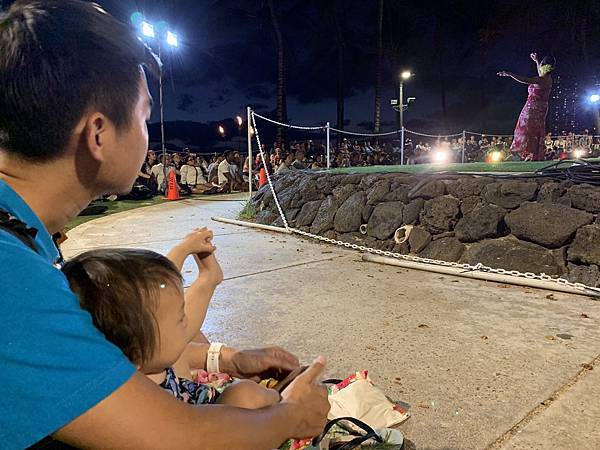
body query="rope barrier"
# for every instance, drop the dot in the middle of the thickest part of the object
(287, 125)
(365, 134)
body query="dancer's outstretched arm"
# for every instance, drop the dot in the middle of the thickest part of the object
(520, 78)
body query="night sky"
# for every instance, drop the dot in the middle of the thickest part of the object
(228, 57)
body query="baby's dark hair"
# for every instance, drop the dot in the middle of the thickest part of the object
(120, 289)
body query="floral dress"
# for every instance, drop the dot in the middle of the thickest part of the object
(530, 129)
(190, 391)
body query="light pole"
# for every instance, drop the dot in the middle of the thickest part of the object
(404, 76)
(159, 33)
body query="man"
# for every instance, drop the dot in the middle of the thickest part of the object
(74, 101)
(285, 165)
(300, 162)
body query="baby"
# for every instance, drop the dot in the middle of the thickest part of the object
(136, 299)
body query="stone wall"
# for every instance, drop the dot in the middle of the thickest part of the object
(540, 226)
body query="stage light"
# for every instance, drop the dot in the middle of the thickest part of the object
(440, 156)
(136, 19)
(406, 75)
(595, 98)
(496, 156)
(172, 39)
(147, 29)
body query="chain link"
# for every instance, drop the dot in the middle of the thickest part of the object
(465, 267)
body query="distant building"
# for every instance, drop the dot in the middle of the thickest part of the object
(569, 110)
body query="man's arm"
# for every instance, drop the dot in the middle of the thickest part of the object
(141, 415)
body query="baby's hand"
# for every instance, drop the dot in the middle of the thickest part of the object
(199, 242)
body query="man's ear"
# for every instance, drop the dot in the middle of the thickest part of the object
(97, 135)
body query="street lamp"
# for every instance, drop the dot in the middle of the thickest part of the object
(149, 32)
(404, 76)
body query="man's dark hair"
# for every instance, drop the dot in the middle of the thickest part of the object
(58, 59)
(120, 289)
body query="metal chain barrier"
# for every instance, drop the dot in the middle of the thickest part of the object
(465, 267)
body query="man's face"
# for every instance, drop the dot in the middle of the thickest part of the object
(129, 146)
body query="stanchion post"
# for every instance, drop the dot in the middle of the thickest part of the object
(328, 141)
(249, 122)
(402, 146)
(464, 141)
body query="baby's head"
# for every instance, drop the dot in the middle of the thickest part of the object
(136, 300)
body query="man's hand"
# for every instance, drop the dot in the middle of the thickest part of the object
(257, 364)
(309, 401)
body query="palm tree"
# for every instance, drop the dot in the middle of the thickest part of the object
(340, 44)
(281, 99)
(379, 72)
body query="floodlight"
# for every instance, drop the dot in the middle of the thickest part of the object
(595, 98)
(172, 39)
(147, 29)
(406, 75)
(440, 156)
(496, 156)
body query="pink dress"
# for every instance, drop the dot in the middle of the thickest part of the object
(530, 129)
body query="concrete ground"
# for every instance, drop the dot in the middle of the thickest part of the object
(483, 365)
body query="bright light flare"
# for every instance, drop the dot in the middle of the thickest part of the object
(440, 156)
(147, 29)
(579, 153)
(221, 130)
(595, 98)
(239, 120)
(496, 157)
(406, 75)
(172, 39)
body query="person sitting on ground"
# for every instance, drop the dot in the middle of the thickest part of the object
(146, 315)
(213, 169)
(226, 181)
(73, 119)
(286, 165)
(158, 171)
(193, 179)
(300, 161)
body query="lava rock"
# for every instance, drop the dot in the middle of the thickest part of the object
(467, 187)
(428, 190)
(385, 220)
(510, 194)
(378, 192)
(586, 197)
(402, 249)
(419, 239)
(468, 204)
(308, 213)
(482, 223)
(412, 211)
(366, 213)
(343, 192)
(446, 249)
(353, 178)
(440, 214)
(513, 254)
(324, 219)
(588, 275)
(586, 246)
(551, 193)
(349, 216)
(546, 224)
(266, 217)
(398, 194)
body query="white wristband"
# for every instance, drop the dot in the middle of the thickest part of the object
(212, 357)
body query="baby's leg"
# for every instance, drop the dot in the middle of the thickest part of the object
(248, 394)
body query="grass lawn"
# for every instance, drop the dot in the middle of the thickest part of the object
(514, 166)
(115, 207)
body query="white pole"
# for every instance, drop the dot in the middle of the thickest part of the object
(251, 225)
(463, 145)
(498, 278)
(249, 137)
(328, 141)
(402, 147)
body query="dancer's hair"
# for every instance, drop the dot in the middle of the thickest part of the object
(549, 60)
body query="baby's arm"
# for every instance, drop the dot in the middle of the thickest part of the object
(199, 294)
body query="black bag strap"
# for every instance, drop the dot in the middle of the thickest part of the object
(19, 229)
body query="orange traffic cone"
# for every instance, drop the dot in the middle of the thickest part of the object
(262, 177)
(172, 188)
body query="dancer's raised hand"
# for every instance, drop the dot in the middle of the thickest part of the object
(534, 57)
(503, 73)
